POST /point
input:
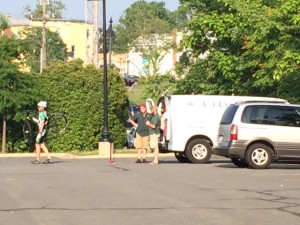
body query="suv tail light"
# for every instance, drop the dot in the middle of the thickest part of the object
(233, 132)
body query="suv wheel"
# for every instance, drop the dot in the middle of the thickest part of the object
(181, 157)
(198, 151)
(259, 156)
(239, 162)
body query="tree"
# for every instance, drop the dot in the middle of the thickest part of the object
(3, 22)
(157, 85)
(32, 37)
(16, 89)
(142, 19)
(54, 10)
(249, 46)
(146, 29)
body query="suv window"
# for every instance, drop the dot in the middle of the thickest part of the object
(272, 115)
(256, 114)
(229, 114)
(285, 116)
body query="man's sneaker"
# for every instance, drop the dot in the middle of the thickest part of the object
(36, 162)
(138, 161)
(144, 161)
(48, 161)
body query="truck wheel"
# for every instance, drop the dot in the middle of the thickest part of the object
(239, 162)
(198, 151)
(259, 156)
(181, 157)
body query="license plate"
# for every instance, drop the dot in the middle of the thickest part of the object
(220, 139)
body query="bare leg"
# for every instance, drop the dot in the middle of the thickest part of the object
(139, 153)
(155, 160)
(45, 150)
(144, 153)
(38, 151)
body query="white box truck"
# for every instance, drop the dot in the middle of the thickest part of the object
(190, 123)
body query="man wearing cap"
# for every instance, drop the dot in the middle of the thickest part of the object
(154, 131)
(42, 133)
(142, 132)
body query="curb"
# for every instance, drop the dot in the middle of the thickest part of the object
(71, 156)
(25, 155)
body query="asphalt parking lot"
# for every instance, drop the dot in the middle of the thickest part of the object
(93, 191)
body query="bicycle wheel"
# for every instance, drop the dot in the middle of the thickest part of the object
(27, 132)
(58, 123)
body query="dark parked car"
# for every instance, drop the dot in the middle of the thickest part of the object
(131, 130)
(131, 135)
(133, 109)
(130, 79)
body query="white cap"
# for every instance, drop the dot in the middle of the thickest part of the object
(42, 104)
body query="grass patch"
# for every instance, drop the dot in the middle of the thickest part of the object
(136, 94)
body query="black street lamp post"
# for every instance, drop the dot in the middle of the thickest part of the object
(105, 137)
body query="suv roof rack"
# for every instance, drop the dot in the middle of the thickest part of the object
(263, 101)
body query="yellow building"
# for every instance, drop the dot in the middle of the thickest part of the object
(77, 35)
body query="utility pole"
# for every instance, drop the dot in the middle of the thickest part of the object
(96, 34)
(43, 56)
(92, 38)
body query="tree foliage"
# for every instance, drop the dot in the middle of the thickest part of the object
(78, 90)
(158, 85)
(54, 10)
(3, 22)
(143, 19)
(251, 46)
(32, 38)
(15, 87)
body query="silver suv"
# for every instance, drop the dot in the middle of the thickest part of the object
(255, 134)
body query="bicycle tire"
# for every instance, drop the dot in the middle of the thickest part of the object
(57, 123)
(27, 132)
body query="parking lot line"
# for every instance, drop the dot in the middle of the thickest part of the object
(276, 174)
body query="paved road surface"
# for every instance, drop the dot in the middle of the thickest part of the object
(90, 191)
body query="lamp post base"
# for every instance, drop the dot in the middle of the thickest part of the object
(106, 138)
(105, 148)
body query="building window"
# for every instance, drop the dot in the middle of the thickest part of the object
(72, 52)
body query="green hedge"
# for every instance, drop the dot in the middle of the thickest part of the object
(77, 90)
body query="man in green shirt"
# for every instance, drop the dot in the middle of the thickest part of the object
(154, 131)
(142, 132)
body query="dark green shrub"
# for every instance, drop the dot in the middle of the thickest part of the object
(78, 90)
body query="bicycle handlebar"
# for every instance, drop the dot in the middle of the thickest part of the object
(28, 111)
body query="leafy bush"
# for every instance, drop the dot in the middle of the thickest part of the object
(78, 90)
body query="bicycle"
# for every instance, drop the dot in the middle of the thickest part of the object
(57, 124)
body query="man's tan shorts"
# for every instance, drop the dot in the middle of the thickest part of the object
(154, 141)
(142, 142)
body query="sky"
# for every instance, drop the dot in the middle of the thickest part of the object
(75, 9)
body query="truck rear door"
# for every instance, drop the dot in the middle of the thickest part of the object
(164, 111)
